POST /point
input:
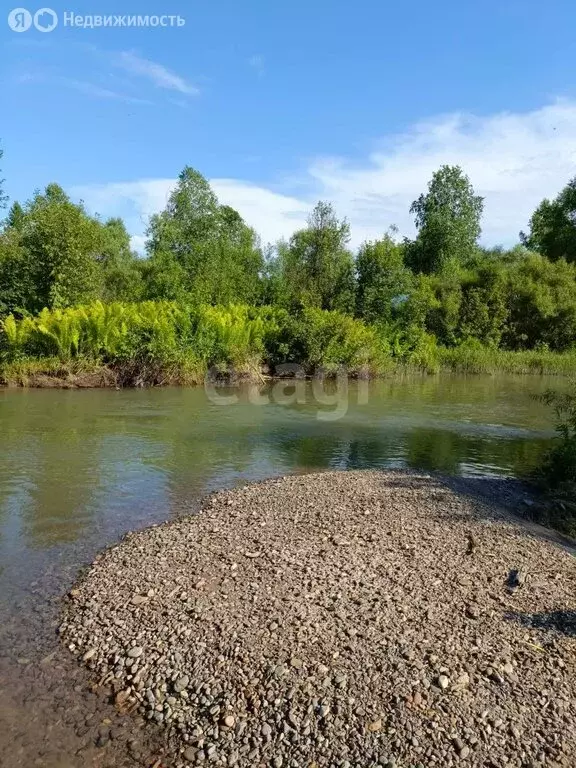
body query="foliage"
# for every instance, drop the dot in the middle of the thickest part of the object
(238, 336)
(541, 304)
(448, 222)
(205, 293)
(201, 250)
(557, 475)
(53, 254)
(553, 226)
(315, 268)
(327, 339)
(383, 280)
(472, 357)
(560, 466)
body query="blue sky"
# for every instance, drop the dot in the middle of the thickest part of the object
(280, 104)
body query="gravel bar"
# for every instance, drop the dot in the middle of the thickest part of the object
(342, 619)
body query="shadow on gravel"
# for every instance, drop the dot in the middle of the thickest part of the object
(559, 621)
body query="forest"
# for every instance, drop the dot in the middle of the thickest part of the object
(75, 298)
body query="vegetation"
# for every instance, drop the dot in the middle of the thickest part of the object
(75, 297)
(557, 475)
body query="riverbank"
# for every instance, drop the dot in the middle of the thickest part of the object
(362, 618)
(166, 343)
(87, 373)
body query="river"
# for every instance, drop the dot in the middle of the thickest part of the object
(80, 468)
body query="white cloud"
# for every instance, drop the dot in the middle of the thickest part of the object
(159, 75)
(513, 159)
(273, 215)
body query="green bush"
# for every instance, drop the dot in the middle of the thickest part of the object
(317, 338)
(560, 465)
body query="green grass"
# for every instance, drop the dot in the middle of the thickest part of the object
(468, 359)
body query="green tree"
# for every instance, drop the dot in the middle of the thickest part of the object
(121, 270)
(18, 276)
(541, 303)
(201, 249)
(315, 268)
(51, 252)
(382, 278)
(448, 222)
(15, 218)
(484, 307)
(553, 226)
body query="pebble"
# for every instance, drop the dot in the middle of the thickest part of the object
(181, 683)
(443, 682)
(344, 607)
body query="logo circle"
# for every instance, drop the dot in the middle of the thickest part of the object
(45, 20)
(19, 20)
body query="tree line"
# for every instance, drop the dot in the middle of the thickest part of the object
(442, 286)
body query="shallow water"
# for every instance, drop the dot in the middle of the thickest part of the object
(79, 468)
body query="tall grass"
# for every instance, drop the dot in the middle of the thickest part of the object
(472, 358)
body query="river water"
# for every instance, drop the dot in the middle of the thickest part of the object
(80, 468)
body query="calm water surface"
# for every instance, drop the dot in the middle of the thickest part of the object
(80, 468)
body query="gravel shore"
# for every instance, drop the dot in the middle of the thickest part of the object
(340, 620)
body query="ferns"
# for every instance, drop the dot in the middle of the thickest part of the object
(161, 332)
(173, 335)
(163, 341)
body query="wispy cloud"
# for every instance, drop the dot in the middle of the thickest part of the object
(83, 86)
(513, 159)
(159, 75)
(256, 62)
(98, 92)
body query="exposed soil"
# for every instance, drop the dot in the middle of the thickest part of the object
(341, 619)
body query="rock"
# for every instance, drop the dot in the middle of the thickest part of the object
(190, 755)
(473, 611)
(139, 600)
(516, 579)
(417, 699)
(443, 682)
(181, 683)
(90, 654)
(374, 726)
(136, 652)
(229, 721)
(122, 697)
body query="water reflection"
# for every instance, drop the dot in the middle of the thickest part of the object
(78, 468)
